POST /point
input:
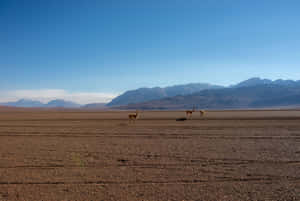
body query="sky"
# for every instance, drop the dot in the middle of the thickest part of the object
(93, 50)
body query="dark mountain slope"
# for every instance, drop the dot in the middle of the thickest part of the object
(258, 96)
(147, 94)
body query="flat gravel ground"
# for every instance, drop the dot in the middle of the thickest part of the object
(100, 155)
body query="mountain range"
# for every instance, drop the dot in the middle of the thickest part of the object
(147, 94)
(258, 81)
(258, 96)
(51, 104)
(251, 93)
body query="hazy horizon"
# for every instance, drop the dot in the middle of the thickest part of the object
(47, 95)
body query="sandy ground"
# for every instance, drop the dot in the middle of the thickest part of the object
(89, 155)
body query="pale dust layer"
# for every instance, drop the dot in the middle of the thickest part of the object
(90, 155)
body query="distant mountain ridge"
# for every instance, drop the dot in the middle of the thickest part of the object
(147, 94)
(251, 93)
(24, 103)
(256, 96)
(258, 81)
(62, 103)
(150, 94)
(50, 104)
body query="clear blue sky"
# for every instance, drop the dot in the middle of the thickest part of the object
(110, 46)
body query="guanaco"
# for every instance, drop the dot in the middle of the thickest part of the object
(202, 113)
(133, 116)
(189, 112)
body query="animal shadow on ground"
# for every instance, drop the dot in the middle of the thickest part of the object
(181, 119)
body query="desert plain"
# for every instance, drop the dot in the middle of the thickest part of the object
(100, 155)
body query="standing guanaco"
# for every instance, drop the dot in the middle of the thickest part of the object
(202, 113)
(189, 113)
(133, 116)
